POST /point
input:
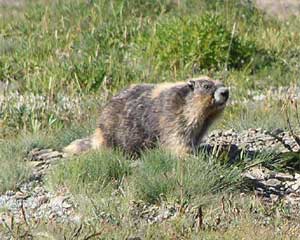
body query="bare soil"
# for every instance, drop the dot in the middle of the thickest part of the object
(280, 8)
(15, 3)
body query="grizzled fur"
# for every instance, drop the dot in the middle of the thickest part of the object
(175, 115)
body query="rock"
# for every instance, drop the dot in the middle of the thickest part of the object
(36, 152)
(254, 139)
(297, 175)
(284, 177)
(21, 195)
(276, 131)
(274, 197)
(67, 205)
(292, 198)
(42, 200)
(44, 154)
(273, 190)
(58, 201)
(296, 186)
(76, 218)
(36, 165)
(37, 203)
(10, 193)
(51, 155)
(257, 174)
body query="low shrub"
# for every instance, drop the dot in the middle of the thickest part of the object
(199, 42)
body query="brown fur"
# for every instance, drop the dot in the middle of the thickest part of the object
(159, 88)
(175, 115)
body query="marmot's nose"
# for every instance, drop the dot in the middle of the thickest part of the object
(221, 95)
(224, 92)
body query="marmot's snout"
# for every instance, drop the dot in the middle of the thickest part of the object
(221, 95)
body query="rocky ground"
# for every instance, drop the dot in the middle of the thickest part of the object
(280, 8)
(32, 202)
(15, 3)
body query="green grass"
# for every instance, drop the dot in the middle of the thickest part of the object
(159, 177)
(91, 48)
(93, 171)
(77, 44)
(32, 113)
(10, 179)
(14, 150)
(80, 48)
(268, 114)
(153, 178)
(193, 43)
(105, 185)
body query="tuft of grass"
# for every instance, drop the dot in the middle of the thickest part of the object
(14, 169)
(159, 176)
(156, 177)
(90, 172)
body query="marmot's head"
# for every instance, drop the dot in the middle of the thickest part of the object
(206, 97)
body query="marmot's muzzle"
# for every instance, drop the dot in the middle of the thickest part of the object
(221, 95)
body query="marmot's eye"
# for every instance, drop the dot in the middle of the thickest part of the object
(191, 84)
(206, 86)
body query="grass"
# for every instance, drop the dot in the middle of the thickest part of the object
(71, 44)
(93, 171)
(62, 60)
(159, 177)
(263, 114)
(15, 150)
(82, 49)
(153, 178)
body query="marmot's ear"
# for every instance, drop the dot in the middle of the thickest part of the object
(191, 84)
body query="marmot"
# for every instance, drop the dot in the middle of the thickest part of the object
(173, 115)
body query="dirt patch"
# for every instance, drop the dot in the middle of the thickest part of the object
(280, 8)
(14, 3)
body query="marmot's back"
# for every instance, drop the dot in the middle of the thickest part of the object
(176, 115)
(124, 119)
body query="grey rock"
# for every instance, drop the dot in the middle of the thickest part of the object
(284, 177)
(297, 175)
(257, 173)
(296, 186)
(274, 197)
